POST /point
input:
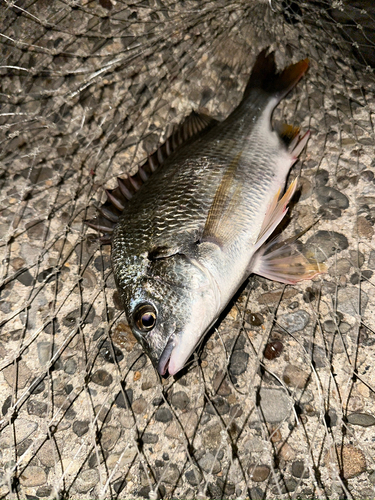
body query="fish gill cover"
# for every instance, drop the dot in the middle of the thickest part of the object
(279, 400)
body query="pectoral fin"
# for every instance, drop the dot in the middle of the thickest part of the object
(284, 261)
(219, 224)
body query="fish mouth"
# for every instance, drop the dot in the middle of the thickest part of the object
(166, 356)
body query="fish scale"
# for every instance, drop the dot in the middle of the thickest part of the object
(198, 226)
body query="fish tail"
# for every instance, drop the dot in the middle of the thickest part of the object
(265, 77)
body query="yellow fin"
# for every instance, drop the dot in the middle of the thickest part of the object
(284, 261)
(275, 213)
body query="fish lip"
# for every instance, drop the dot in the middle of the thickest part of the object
(166, 356)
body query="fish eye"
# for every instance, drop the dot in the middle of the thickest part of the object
(145, 317)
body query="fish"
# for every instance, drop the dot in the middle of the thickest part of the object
(198, 217)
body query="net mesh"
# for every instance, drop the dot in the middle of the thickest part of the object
(278, 402)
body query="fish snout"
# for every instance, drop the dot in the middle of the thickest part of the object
(163, 362)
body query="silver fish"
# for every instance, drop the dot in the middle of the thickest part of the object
(196, 219)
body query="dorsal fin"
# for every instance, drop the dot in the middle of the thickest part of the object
(194, 126)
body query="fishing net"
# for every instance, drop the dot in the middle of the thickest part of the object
(278, 402)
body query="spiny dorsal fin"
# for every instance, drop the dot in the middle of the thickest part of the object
(194, 126)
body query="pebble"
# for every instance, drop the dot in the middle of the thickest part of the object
(163, 415)
(188, 421)
(109, 437)
(371, 260)
(294, 322)
(35, 229)
(258, 473)
(26, 278)
(217, 405)
(102, 263)
(331, 418)
(254, 445)
(363, 276)
(273, 350)
(44, 491)
(212, 436)
(255, 319)
(321, 177)
(81, 427)
(351, 459)
(33, 476)
(316, 353)
(256, 493)
(24, 429)
(329, 213)
(120, 459)
(52, 327)
(362, 419)
(324, 244)
(357, 258)
(99, 333)
(236, 343)
(220, 384)
(365, 228)
(180, 400)
(149, 379)
(70, 366)
(102, 378)
(18, 375)
(226, 488)
(149, 438)
(194, 476)
(136, 360)
(139, 405)
(209, 463)
(86, 480)
(124, 402)
(340, 267)
(48, 454)
(348, 298)
(286, 452)
(37, 408)
(367, 175)
(330, 326)
(107, 350)
(287, 486)
(6, 405)
(305, 188)
(75, 316)
(46, 275)
(299, 470)
(172, 474)
(103, 413)
(310, 295)
(295, 377)
(275, 404)
(24, 447)
(44, 352)
(238, 362)
(331, 197)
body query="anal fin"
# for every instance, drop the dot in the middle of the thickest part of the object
(275, 213)
(285, 262)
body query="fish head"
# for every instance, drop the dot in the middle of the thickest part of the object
(169, 308)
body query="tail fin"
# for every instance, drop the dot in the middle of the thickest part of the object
(264, 76)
